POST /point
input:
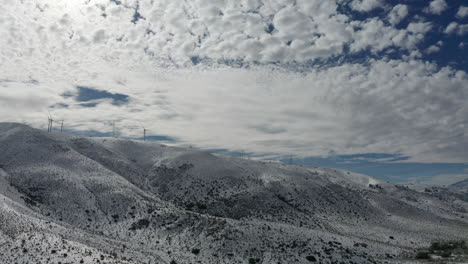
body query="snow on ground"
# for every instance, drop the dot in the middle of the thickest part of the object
(69, 199)
(460, 186)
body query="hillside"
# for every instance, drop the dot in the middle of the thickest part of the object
(69, 199)
(461, 185)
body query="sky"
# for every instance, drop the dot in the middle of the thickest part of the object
(375, 86)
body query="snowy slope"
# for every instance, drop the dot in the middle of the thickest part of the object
(121, 201)
(460, 186)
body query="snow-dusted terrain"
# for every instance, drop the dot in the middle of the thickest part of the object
(70, 199)
(460, 186)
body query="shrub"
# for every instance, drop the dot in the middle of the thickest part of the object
(189, 206)
(202, 206)
(196, 251)
(140, 224)
(447, 245)
(422, 255)
(444, 249)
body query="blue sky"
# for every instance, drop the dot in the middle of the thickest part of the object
(374, 86)
(372, 164)
(450, 53)
(391, 171)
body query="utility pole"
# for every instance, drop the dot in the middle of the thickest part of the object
(51, 121)
(51, 124)
(61, 127)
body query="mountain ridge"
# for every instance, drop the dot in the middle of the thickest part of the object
(141, 202)
(461, 185)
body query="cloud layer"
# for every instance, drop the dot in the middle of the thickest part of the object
(177, 32)
(280, 76)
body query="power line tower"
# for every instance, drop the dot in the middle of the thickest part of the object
(51, 123)
(48, 123)
(61, 125)
(144, 131)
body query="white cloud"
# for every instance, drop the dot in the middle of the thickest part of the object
(455, 28)
(398, 13)
(432, 49)
(174, 32)
(462, 12)
(348, 109)
(419, 27)
(376, 36)
(366, 5)
(435, 48)
(451, 28)
(403, 106)
(99, 36)
(437, 7)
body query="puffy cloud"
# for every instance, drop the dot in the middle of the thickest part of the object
(455, 28)
(99, 36)
(451, 27)
(462, 12)
(398, 13)
(250, 31)
(437, 7)
(405, 106)
(376, 36)
(434, 48)
(366, 5)
(419, 27)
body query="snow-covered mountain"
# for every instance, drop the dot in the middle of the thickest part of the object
(460, 186)
(71, 199)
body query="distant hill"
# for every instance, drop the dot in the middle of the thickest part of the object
(66, 198)
(461, 185)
